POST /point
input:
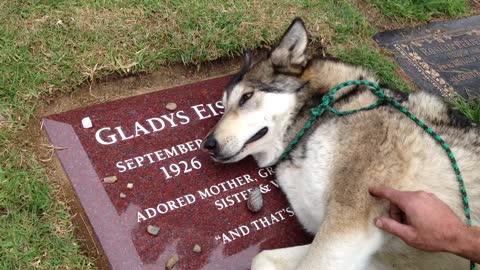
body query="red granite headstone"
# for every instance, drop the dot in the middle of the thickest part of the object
(176, 187)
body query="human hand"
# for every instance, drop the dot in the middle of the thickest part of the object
(420, 219)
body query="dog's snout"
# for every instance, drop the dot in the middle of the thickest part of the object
(211, 144)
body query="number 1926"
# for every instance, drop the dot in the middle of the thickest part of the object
(175, 169)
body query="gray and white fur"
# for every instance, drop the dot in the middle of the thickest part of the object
(326, 177)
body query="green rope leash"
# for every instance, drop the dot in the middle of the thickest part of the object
(326, 105)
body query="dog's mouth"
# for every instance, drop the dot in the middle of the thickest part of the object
(257, 136)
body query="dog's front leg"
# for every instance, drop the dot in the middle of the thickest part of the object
(279, 259)
(343, 244)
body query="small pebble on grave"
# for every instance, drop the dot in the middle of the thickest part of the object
(123, 195)
(130, 185)
(197, 248)
(171, 261)
(110, 179)
(255, 200)
(87, 122)
(153, 230)
(171, 106)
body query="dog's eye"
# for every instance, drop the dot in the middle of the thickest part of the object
(244, 98)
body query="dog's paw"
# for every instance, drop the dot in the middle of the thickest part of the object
(264, 262)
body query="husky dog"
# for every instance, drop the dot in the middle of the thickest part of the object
(327, 175)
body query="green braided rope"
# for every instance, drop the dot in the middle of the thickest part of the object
(329, 99)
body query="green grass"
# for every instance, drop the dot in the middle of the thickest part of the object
(353, 45)
(369, 57)
(35, 230)
(470, 107)
(51, 46)
(420, 10)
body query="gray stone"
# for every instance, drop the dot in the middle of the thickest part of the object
(255, 200)
(123, 195)
(110, 179)
(87, 122)
(153, 230)
(171, 106)
(197, 248)
(130, 185)
(171, 261)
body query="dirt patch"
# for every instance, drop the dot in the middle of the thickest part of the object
(375, 18)
(382, 23)
(116, 88)
(476, 6)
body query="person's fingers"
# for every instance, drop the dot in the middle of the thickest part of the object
(405, 232)
(396, 213)
(397, 197)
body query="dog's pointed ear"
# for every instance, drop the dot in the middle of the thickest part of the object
(248, 59)
(246, 65)
(290, 54)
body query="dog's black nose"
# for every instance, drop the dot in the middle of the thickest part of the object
(210, 144)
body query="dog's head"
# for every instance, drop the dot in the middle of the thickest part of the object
(258, 102)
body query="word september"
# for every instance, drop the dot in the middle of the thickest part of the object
(159, 155)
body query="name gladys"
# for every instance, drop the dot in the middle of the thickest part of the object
(109, 135)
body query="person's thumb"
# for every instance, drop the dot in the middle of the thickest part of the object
(405, 232)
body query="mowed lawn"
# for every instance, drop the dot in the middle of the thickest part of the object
(50, 47)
